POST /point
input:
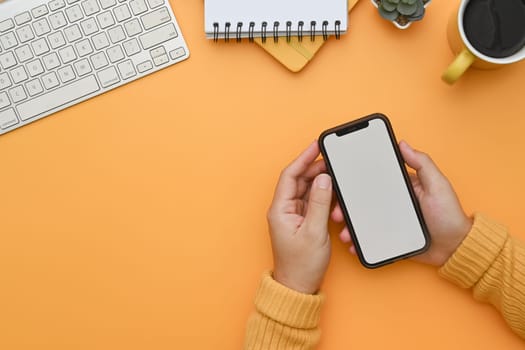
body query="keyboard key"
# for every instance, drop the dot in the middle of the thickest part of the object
(57, 98)
(159, 51)
(90, 7)
(105, 19)
(34, 87)
(158, 36)
(108, 77)
(5, 81)
(131, 47)
(71, 1)
(126, 69)
(74, 13)
(50, 80)
(41, 27)
(6, 25)
(107, 3)
(4, 100)
(100, 41)
(7, 60)
(35, 68)
(66, 74)
(116, 34)
(51, 61)
(99, 60)
(23, 53)
(155, 3)
(72, 33)
(156, 18)
(8, 118)
(56, 4)
(82, 67)
(138, 6)
(8, 41)
(67, 54)
(40, 11)
(19, 74)
(57, 20)
(56, 40)
(22, 18)
(25, 34)
(179, 52)
(40, 46)
(84, 48)
(133, 27)
(89, 26)
(160, 60)
(122, 13)
(17, 94)
(144, 66)
(115, 54)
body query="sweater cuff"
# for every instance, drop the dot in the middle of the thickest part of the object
(287, 306)
(476, 253)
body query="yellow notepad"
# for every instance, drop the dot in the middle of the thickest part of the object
(295, 54)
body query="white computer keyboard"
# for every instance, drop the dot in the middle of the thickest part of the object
(55, 54)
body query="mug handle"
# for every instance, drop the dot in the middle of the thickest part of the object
(458, 67)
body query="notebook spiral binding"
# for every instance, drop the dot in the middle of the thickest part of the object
(274, 31)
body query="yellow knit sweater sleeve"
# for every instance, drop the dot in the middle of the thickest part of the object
(492, 263)
(283, 318)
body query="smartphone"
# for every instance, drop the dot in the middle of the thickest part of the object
(374, 190)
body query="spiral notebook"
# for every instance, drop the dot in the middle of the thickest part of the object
(226, 19)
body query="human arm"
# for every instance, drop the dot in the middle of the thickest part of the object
(492, 263)
(288, 301)
(477, 254)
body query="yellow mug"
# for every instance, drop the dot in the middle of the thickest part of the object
(467, 55)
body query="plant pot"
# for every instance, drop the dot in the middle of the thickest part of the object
(400, 26)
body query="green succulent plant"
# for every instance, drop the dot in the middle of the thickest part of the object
(412, 10)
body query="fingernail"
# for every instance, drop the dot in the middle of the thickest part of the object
(323, 181)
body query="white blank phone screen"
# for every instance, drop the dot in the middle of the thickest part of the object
(374, 192)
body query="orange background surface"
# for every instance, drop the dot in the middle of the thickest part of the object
(136, 220)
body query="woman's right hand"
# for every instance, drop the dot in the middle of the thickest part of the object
(446, 221)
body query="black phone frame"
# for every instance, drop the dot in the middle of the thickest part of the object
(351, 127)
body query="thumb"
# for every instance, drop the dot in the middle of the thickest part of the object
(427, 171)
(319, 203)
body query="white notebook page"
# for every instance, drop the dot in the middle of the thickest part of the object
(271, 11)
